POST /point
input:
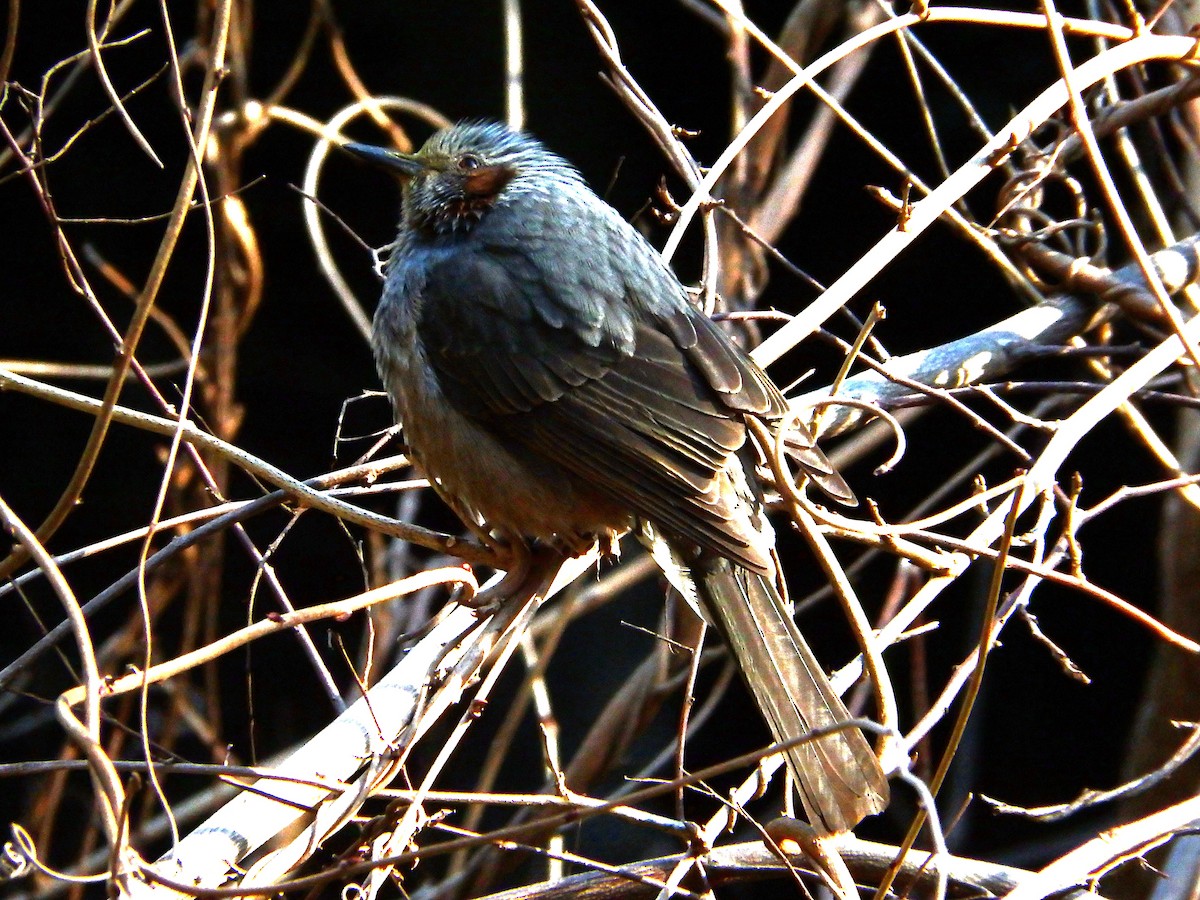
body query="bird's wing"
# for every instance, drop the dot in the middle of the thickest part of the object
(647, 405)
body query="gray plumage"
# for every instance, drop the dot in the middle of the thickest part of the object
(556, 383)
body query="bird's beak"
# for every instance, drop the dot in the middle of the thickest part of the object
(406, 164)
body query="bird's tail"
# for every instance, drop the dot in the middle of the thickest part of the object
(839, 777)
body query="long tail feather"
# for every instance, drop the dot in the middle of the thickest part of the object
(839, 777)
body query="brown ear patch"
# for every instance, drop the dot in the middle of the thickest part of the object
(487, 181)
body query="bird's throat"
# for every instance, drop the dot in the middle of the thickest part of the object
(456, 215)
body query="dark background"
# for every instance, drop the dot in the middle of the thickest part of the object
(1037, 737)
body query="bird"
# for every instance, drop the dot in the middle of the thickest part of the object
(558, 386)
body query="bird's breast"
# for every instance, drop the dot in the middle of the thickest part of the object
(504, 484)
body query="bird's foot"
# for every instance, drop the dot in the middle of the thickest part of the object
(530, 572)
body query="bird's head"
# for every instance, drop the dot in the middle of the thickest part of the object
(464, 171)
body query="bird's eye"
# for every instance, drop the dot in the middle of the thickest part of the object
(469, 162)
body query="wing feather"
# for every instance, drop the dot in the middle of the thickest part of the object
(646, 402)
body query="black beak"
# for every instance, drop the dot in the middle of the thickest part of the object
(406, 164)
